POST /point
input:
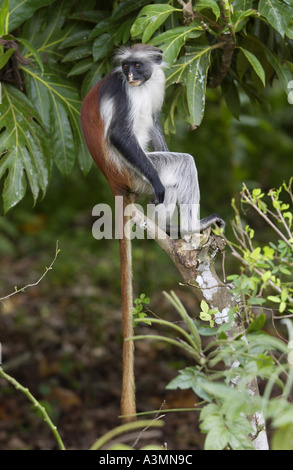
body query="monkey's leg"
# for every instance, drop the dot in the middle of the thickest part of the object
(178, 174)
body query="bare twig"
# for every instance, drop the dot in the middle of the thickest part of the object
(22, 289)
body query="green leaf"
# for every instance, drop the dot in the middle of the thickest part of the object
(76, 38)
(127, 6)
(218, 437)
(33, 51)
(92, 16)
(190, 378)
(4, 17)
(172, 40)
(81, 67)
(204, 306)
(281, 68)
(240, 18)
(102, 46)
(257, 323)
(209, 4)
(22, 11)
(23, 148)
(277, 13)
(196, 85)
(48, 28)
(242, 4)
(96, 72)
(253, 60)
(282, 438)
(150, 19)
(192, 70)
(231, 95)
(4, 57)
(289, 30)
(273, 298)
(77, 53)
(58, 104)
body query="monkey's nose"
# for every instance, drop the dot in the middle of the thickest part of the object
(130, 77)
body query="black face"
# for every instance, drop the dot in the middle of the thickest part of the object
(136, 72)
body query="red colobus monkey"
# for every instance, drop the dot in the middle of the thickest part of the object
(120, 121)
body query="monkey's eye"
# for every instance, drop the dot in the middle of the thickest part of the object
(125, 67)
(137, 66)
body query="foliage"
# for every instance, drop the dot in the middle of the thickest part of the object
(52, 53)
(264, 281)
(266, 277)
(138, 309)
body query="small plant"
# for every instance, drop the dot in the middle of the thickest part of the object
(137, 311)
(206, 313)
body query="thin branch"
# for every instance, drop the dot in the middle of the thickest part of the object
(36, 404)
(281, 216)
(22, 289)
(269, 222)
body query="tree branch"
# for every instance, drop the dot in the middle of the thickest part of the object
(195, 262)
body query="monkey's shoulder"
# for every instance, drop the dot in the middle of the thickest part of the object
(112, 86)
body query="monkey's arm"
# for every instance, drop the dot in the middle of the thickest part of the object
(130, 149)
(158, 141)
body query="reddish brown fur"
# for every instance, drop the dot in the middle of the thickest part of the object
(93, 130)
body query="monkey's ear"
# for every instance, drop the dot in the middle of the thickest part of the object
(159, 57)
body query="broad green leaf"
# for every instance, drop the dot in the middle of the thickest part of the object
(253, 60)
(231, 96)
(210, 4)
(190, 378)
(242, 4)
(239, 431)
(150, 19)
(289, 30)
(277, 13)
(58, 104)
(257, 323)
(92, 16)
(23, 148)
(81, 67)
(97, 71)
(4, 57)
(172, 40)
(196, 85)
(240, 18)
(282, 438)
(21, 11)
(103, 26)
(32, 51)
(77, 53)
(77, 37)
(48, 28)
(218, 437)
(192, 70)
(127, 6)
(102, 46)
(282, 70)
(4, 17)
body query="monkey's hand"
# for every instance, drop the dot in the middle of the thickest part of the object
(159, 191)
(220, 223)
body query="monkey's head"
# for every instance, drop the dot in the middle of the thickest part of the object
(138, 62)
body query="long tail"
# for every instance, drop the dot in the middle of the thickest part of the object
(128, 406)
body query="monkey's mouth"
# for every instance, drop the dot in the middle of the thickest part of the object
(135, 82)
